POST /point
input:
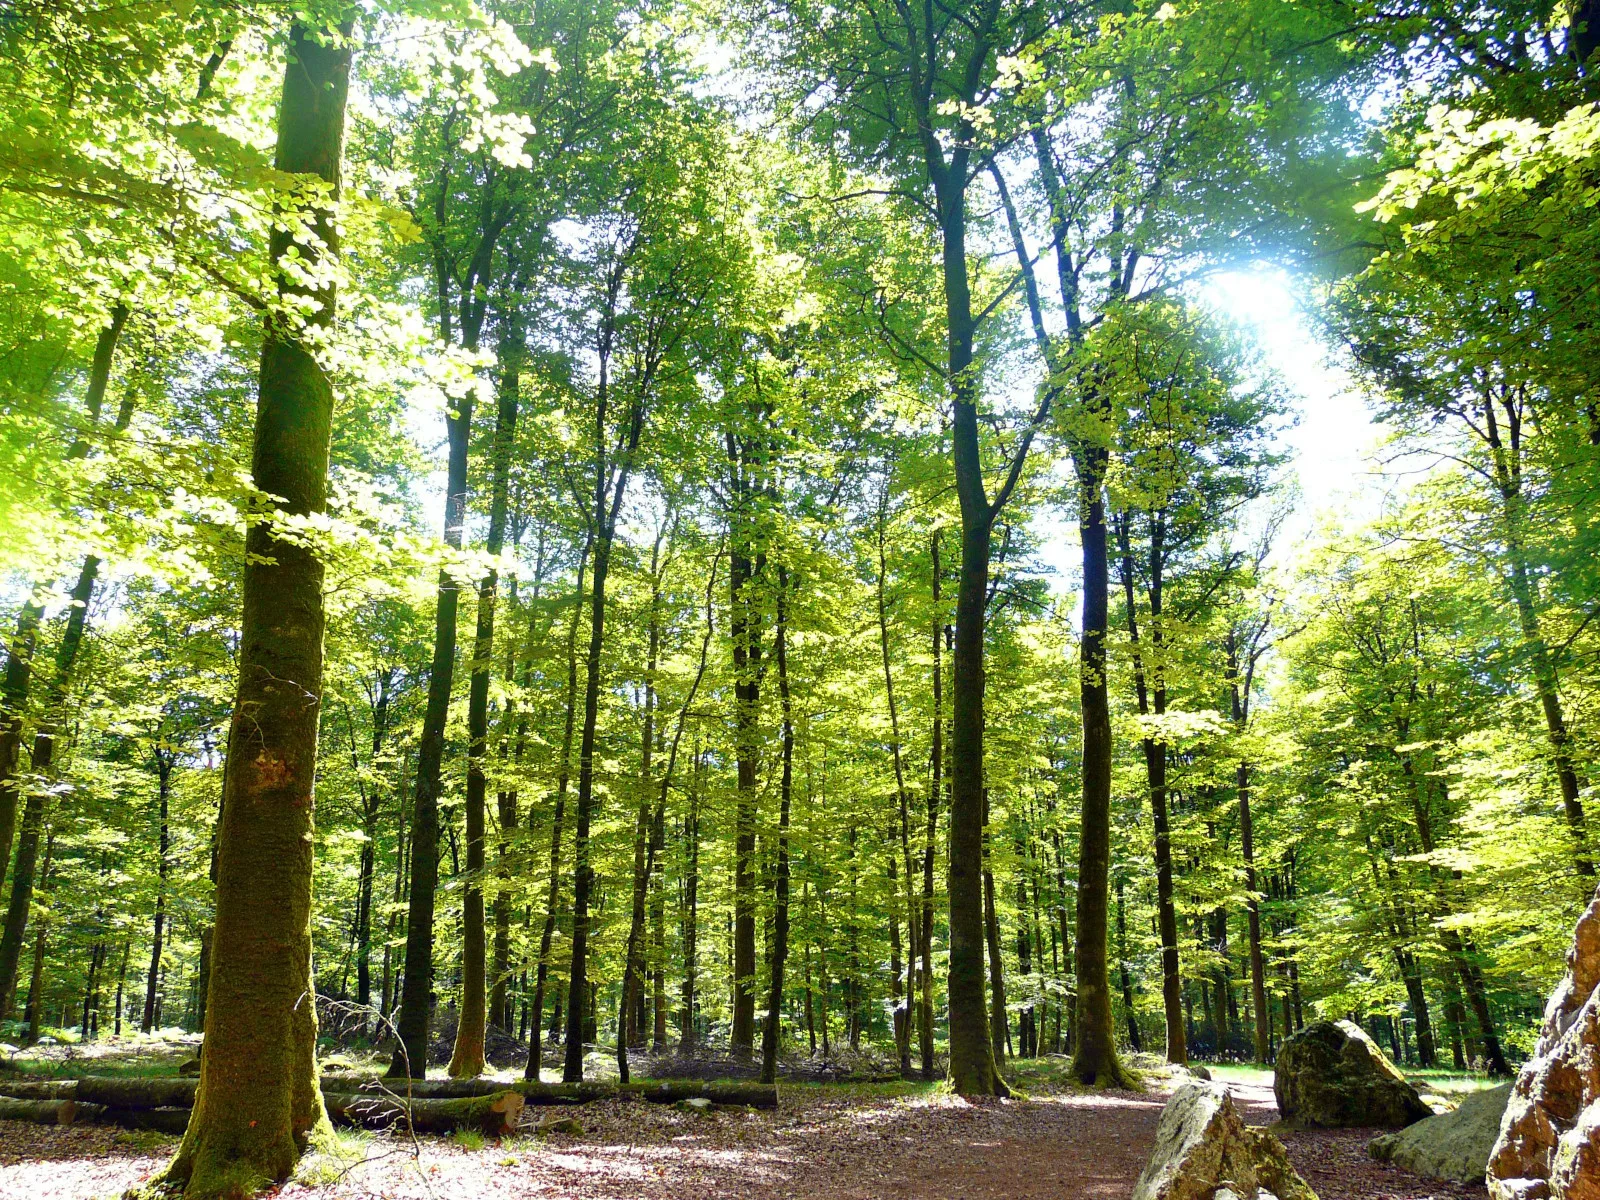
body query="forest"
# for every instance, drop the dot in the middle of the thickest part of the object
(737, 540)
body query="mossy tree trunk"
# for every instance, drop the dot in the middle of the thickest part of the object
(257, 1105)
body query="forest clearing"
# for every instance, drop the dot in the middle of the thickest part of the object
(770, 597)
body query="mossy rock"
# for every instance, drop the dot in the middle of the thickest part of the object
(1333, 1076)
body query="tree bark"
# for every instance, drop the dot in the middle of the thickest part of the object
(258, 1102)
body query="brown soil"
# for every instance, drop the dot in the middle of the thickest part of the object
(821, 1145)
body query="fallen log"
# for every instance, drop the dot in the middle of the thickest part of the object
(161, 1120)
(39, 1089)
(495, 1115)
(127, 1091)
(39, 1112)
(669, 1091)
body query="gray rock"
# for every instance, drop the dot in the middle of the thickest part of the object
(1453, 1146)
(1331, 1074)
(1205, 1151)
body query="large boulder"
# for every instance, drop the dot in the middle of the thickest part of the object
(1333, 1075)
(1205, 1151)
(1453, 1145)
(1549, 1143)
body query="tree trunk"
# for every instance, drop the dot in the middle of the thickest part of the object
(1096, 1059)
(745, 631)
(164, 790)
(258, 1102)
(999, 1024)
(19, 661)
(691, 918)
(930, 843)
(770, 1035)
(30, 1016)
(416, 994)
(13, 705)
(557, 818)
(467, 1059)
(610, 487)
(913, 933)
(44, 747)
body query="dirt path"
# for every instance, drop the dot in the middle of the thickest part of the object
(820, 1147)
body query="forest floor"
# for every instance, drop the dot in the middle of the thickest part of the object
(825, 1142)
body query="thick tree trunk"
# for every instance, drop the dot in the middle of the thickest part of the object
(973, 1067)
(258, 1103)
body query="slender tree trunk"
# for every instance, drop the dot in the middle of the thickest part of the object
(416, 996)
(13, 705)
(607, 504)
(644, 828)
(44, 748)
(19, 661)
(999, 1025)
(770, 1035)
(31, 1010)
(1122, 966)
(691, 922)
(902, 1019)
(258, 1102)
(745, 630)
(164, 790)
(557, 818)
(1096, 1059)
(467, 1058)
(1155, 766)
(931, 835)
(1506, 452)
